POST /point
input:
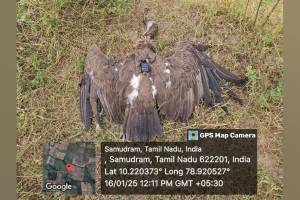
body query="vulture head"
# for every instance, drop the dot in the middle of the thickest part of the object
(151, 29)
(132, 91)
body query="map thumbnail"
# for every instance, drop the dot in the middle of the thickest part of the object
(69, 168)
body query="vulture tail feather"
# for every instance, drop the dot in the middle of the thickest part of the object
(142, 125)
(86, 113)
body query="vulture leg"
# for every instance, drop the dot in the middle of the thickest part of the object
(85, 104)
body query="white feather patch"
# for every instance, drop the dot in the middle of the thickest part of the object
(134, 83)
(149, 24)
(116, 69)
(98, 127)
(167, 71)
(198, 77)
(168, 84)
(91, 73)
(132, 96)
(167, 64)
(154, 91)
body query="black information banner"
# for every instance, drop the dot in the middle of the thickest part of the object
(215, 161)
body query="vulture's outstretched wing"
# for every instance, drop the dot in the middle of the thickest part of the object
(85, 104)
(99, 91)
(186, 78)
(178, 90)
(124, 93)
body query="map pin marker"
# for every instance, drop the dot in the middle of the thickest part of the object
(68, 167)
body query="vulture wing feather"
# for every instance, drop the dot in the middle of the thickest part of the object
(85, 105)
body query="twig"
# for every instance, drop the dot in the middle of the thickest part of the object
(256, 15)
(270, 13)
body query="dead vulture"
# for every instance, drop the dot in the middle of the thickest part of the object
(136, 90)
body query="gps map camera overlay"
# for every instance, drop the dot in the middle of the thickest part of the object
(220, 162)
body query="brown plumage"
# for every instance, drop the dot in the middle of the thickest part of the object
(172, 87)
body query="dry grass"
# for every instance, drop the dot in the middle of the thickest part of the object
(52, 38)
